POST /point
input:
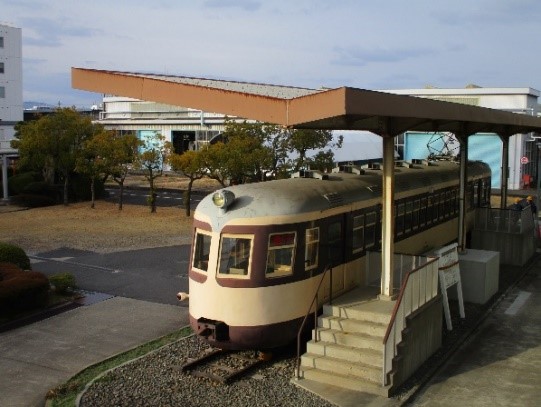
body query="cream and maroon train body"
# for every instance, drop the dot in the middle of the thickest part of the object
(256, 261)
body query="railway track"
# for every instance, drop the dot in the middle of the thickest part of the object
(223, 366)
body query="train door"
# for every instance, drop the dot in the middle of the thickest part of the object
(336, 252)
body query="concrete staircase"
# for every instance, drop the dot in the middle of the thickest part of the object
(348, 352)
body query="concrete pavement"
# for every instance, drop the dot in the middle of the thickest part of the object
(42, 355)
(500, 365)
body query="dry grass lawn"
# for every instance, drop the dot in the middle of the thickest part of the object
(103, 229)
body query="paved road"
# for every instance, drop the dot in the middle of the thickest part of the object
(154, 275)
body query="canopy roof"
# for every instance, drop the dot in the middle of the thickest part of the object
(342, 108)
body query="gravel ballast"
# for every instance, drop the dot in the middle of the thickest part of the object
(157, 380)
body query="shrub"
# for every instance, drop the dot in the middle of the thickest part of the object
(63, 282)
(21, 290)
(11, 253)
(18, 182)
(79, 188)
(33, 201)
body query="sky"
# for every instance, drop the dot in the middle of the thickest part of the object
(376, 45)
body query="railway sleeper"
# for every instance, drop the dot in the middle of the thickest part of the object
(211, 366)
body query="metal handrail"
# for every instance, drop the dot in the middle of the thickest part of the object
(316, 300)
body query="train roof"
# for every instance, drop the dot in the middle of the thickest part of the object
(293, 196)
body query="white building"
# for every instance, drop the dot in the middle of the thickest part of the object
(190, 129)
(11, 93)
(523, 149)
(185, 128)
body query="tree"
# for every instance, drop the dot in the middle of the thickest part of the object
(215, 162)
(93, 160)
(269, 142)
(191, 165)
(151, 160)
(120, 152)
(53, 143)
(301, 141)
(322, 161)
(244, 156)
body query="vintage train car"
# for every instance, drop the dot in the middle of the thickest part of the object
(259, 249)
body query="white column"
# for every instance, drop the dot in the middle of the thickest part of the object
(387, 221)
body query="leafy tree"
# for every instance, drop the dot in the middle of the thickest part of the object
(244, 156)
(301, 141)
(93, 160)
(124, 152)
(117, 152)
(53, 143)
(34, 153)
(322, 161)
(268, 141)
(151, 160)
(191, 165)
(215, 162)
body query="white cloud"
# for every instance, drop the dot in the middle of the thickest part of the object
(310, 43)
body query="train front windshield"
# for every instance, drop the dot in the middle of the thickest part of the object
(235, 255)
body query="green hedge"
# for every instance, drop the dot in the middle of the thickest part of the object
(63, 282)
(21, 290)
(10, 253)
(18, 182)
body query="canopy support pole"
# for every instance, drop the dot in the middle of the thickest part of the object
(505, 172)
(387, 221)
(463, 181)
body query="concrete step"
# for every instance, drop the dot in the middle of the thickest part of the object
(369, 373)
(369, 357)
(357, 340)
(344, 381)
(353, 325)
(377, 311)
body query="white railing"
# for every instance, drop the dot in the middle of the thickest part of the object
(417, 277)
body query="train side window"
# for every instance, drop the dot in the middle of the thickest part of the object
(370, 230)
(336, 243)
(408, 216)
(280, 254)
(201, 251)
(423, 212)
(235, 254)
(358, 233)
(399, 219)
(312, 248)
(415, 214)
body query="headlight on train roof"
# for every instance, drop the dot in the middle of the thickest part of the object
(222, 199)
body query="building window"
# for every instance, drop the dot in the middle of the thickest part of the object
(2, 92)
(1, 42)
(1, 67)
